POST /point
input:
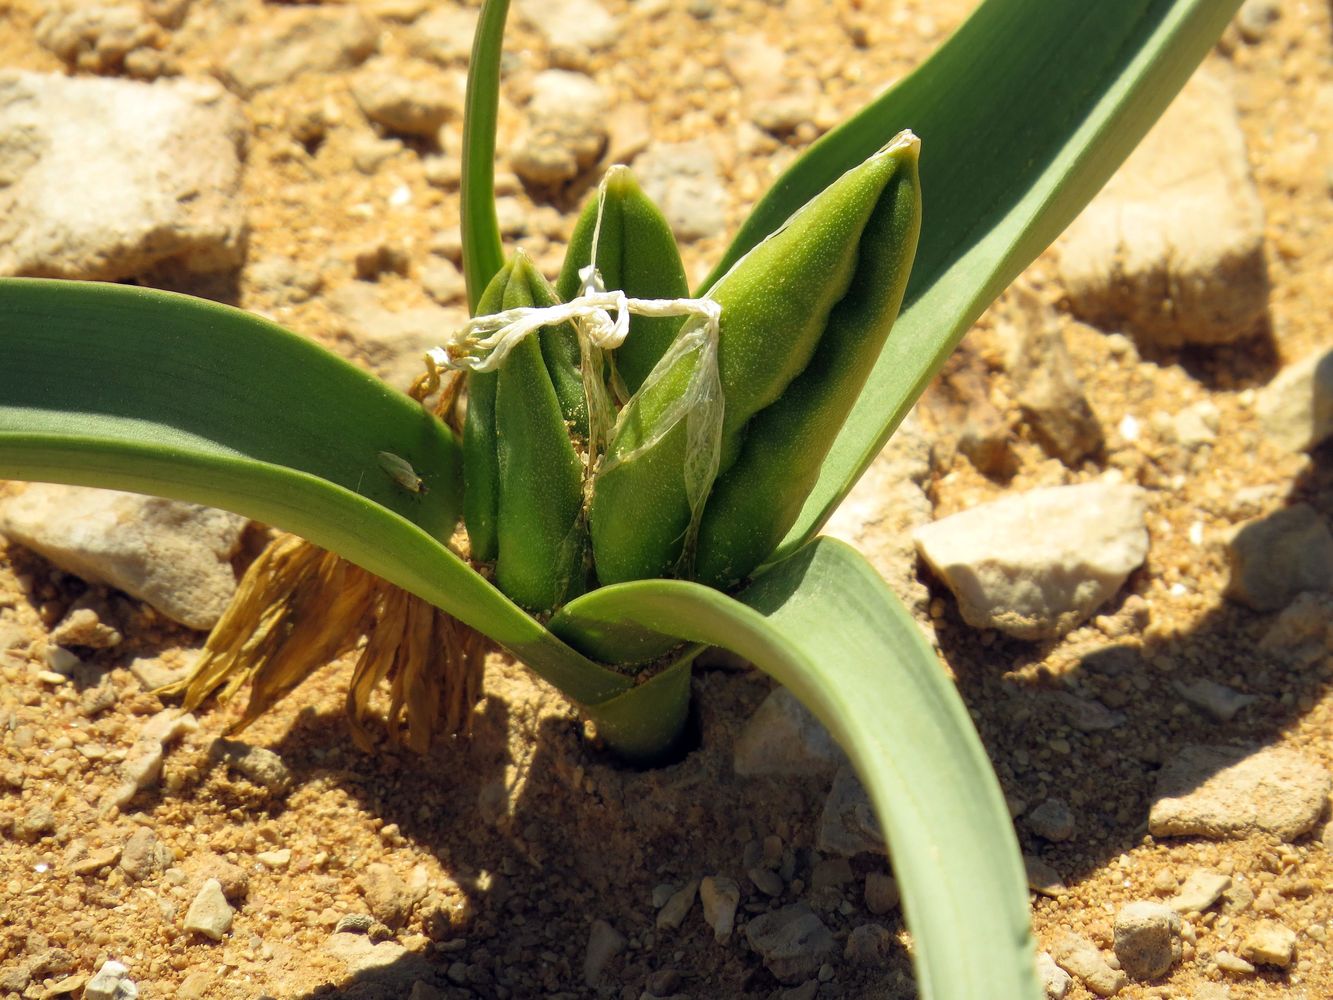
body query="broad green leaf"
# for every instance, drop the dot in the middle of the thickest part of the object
(107, 385)
(1023, 114)
(826, 626)
(483, 253)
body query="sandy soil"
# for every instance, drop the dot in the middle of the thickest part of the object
(526, 835)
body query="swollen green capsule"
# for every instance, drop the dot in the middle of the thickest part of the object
(525, 490)
(776, 305)
(636, 254)
(756, 501)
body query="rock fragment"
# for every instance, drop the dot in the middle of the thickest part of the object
(1215, 700)
(1172, 250)
(404, 100)
(107, 179)
(1201, 890)
(1147, 939)
(1303, 632)
(868, 944)
(1055, 981)
(1082, 959)
(257, 765)
(792, 941)
(111, 982)
(565, 132)
(1220, 792)
(391, 342)
(720, 896)
(1037, 564)
(144, 855)
(881, 892)
(209, 914)
(390, 899)
(297, 41)
(1274, 558)
(1052, 819)
(847, 825)
(176, 556)
(782, 737)
(444, 34)
(1296, 408)
(684, 180)
(572, 25)
(604, 944)
(677, 907)
(1269, 943)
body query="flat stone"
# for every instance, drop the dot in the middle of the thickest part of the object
(1272, 559)
(1172, 250)
(1037, 564)
(1296, 408)
(361, 955)
(209, 914)
(174, 555)
(792, 941)
(1222, 792)
(1042, 878)
(848, 825)
(1215, 700)
(720, 896)
(1082, 959)
(604, 944)
(96, 861)
(1201, 890)
(108, 179)
(685, 182)
(297, 41)
(1234, 964)
(783, 737)
(1147, 939)
(1269, 943)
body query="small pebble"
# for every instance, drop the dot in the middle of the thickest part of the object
(209, 914)
(1052, 819)
(1269, 943)
(720, 896)
(673, 913)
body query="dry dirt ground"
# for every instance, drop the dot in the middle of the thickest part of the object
(526, 835)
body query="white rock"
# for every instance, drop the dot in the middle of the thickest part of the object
(1222, 792)
(360, 954)
(1173, 246)
(784, 738)
(176, 556)
(210, 914)
(1273, 559)
(566, 129)
(847, 825)
(444, 34)
(399, 96)
(604, 944)
(1296, 408)
(572, 25)
(1055, 981)
(111, 982)
(1037, 564)
(1147, 939)
(753, 61)
(684, 181)
(106, 179)
(720, 896)
(1201, 890)
(1269, 943)
(1081, 958)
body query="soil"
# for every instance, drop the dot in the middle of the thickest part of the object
(526, 834)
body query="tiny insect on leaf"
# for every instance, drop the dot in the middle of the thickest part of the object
(401, 472)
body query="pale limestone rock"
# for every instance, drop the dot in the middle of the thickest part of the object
(1081, 958)
(720, 896)
(210, 914)
(1274, 558)
(174, 555)
(1147, 939)
(1173, 247)
(1296, 408)
(107, 179)
(792, 941)
(1269, 943)
(1222, 792)
(1037, 564)
(297, 41)
(1201, 890)
(784, 738)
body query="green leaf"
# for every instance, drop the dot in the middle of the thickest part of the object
(1023, 114)
(108, 385)
(483, 253)
(824, 624)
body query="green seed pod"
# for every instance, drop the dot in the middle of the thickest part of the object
(757, 500)
(636, 254)
(776, 304)
(529, 485)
